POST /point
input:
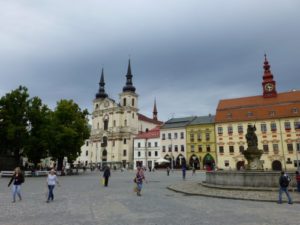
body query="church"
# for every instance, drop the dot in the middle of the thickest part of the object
(114, 126)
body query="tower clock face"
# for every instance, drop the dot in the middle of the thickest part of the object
(269, 87)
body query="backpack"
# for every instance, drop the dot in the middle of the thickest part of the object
(286, 181)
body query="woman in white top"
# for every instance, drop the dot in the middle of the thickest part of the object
(51, 182)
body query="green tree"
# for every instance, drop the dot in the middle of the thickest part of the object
(36, 147)
(69, 129)
(13, 122)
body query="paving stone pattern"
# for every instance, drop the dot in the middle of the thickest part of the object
(83, 200)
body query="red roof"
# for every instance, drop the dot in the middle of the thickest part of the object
(153, 133)
(149, 120)
(286, 104)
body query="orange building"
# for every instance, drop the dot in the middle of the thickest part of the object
(277, 120)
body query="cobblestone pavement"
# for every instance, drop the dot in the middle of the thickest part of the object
(83, 200)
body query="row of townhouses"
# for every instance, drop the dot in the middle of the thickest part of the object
(122, 137)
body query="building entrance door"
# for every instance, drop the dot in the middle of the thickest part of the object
(276, 165)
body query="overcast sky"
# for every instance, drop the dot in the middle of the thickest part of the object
(186, 54)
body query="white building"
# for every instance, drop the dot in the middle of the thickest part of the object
(173, 140)
(147, 148)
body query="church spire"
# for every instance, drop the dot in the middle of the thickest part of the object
(101, 93)
(269, 85)
(129, 86)
(154, 110)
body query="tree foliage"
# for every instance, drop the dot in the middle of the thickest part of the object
(13, 122)
(69, 129)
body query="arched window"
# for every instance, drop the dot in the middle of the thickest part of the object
(132, 102)
(105, 124)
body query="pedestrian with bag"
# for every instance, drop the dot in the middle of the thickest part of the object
(17, 179)
(139, 178)
(106, 175)
(51, 182)
(284, 182)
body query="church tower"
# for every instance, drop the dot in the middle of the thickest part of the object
(269, 85)
(154, 111)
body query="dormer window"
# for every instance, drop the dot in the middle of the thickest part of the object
(229, 115)
(249, 114)
(295, 110)
(272, 113)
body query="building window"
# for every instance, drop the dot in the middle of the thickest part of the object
(290, 148)
(155, 144)
(241, 148)
(272, 113)
(132, 102)
(287, 125)
(226, 163)
(199, 137)
(114, 123)
(199, 148)
(86, 153)
(139, 154)
(229, 129)
(164, 148)
(263, 127)
(170, 148)
(176, 148)
(105, 124)
(124, 141)
(221, 149)
(220, 130)
(149, 144)
(208, 148)
(229, 115)
(132, 115)
(163, 136)
(297, 125)
(207, 136)
(231, 149)
(275, 148)
(87, 143)
(273, 126)
(124, 152)
(175, 135)
(182, 135)
(192, 138)
(149, 154)
(124, 101)
(298, 147)
(169, 136)
(113, 143)
(125, 123)
(266, 148)
(156, 153)
(139, 144)
(97, 125)
(240, 129)
(192, 148)
(182, 148)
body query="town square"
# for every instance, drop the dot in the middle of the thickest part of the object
(149, 112)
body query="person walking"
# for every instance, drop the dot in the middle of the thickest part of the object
(51, 182)
(194, 171)
(284, 181)
(17, 179)
(139, 177)
(106, 175)
(298, 180)
(183, 171)
(168, 171)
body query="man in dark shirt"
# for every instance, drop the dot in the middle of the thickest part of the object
(284, 181)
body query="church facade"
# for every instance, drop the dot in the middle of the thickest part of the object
(115, 124)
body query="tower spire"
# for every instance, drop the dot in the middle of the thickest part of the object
(101, 93)
(129, 86)
(154, 110)
(269, 85)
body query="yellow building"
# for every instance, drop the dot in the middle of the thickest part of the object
(276, 118)
(200, 141)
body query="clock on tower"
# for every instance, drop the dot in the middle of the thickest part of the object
(269, 85)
